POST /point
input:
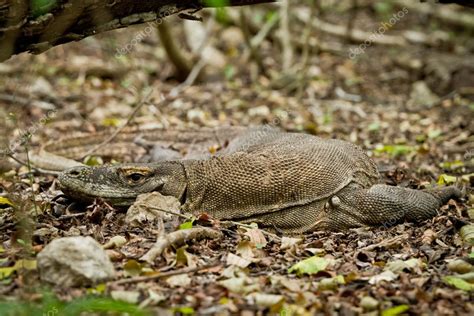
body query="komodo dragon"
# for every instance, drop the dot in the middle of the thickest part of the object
(289, 181)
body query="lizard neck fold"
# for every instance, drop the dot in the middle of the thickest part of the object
(174, 179)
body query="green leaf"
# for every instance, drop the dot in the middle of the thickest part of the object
(111, 122)
(310, 265)
(375, 126)
(229, 72)
(216, 3)
(458, 283)
(396, 310)
(452, 165)
(383, 8)
(132, 268)
(6, 272)
(395, 150)
(471, 255)
(5, 201)
(187, 225)
(93, 161)
(331, 283)
(40, 7)
(445, 179)
(185, 310)
(434, 133)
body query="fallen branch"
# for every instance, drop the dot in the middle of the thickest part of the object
(360, 36)
(118, 130)
(179, 237)
(163, 275)
(386, 243)
(447, 15)
(37, 27)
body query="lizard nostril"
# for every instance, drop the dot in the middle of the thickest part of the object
(74, 173)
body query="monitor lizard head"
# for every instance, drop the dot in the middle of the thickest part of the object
(121, 184)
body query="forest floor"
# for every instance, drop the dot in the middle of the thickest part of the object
(411, 106)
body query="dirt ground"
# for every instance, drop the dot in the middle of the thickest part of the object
(410, 105)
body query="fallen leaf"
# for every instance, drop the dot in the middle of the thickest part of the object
(467, 234)
(5, 201)
(185, 310)
(331, 283)
(288, 242)
(460, 266)
(266, 300)
(185, 258)
(180, 280)
(459, 283)
(428, 236)
(311, 265)
(446, 179)
(187, 225)
(237, 261)
(396, 310)
(245, 249)
(131, 297)
(132, 268)
(384, 276)
(256, 237)
(240, 285)
(115, 242)
(400, 265)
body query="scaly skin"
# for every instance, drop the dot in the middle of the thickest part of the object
(292, 182)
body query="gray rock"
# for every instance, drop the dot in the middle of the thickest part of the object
(74, 261)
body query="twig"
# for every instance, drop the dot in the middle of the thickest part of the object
(180, 62)
(193, 75)
(352, 18)
(165, 211)
(196, 70)
(385, 243)
(118, 130)
(285, 35)
(250, 226)
(69, 216)
(456, 17)
(163, 275)
(15, 99)
(254, 53)
(264, 31)
(306, 50)
(357, 35)
(222, 222)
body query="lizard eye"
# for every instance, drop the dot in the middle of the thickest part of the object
(135, 177)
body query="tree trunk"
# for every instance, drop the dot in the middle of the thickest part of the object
(38, 25)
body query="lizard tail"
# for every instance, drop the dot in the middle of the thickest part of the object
(388, 205)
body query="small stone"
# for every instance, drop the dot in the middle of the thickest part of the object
(232, 37)
(460, 266)
(74, 262)
(262, 111)
(41, 86)
(422, 96)
(369, 303)
(115, 242)
(196, 116)
(131, 297)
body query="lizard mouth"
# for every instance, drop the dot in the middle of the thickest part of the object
(81, 196)
(75, 188)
